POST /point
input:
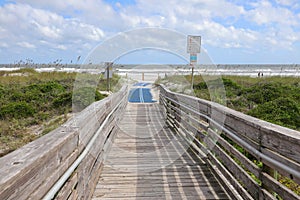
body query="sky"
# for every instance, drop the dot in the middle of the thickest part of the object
(232, 31)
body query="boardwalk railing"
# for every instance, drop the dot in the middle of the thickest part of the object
(249, 155)
(66, 162)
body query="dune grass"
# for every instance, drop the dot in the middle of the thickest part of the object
(32, 103)
(273, 99)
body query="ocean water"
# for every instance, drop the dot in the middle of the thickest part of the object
(150, 73)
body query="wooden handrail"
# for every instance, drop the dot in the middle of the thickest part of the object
(247, 151)
(30, 172)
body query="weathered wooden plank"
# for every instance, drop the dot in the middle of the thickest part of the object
(158, 184)
(94, 176)
(243, 124)
(186, 114)
(237, 171)
(189, 174)
(278, 138)
(249, 141)
(243, 159)
(68, 188)
(196, 104)
(161, 195)
(84, 172)
(265, 195)
(186, 176)
(192, 128)
(292, 164)
(25, 169)
(230, 179)
(89, 169)
(53, 177)
(277, 187)
(149, 189)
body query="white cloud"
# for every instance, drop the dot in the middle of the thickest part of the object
(3, 44)
(77, 26)
(190, 9)
(62, 47)
(227, 37)
(293, 3)
(36, 22)
(266, 13)
(284, 2)
(26, 45)
(215, 21)
(192, 17)
(93, 12)
(278, 26)
(43, 35)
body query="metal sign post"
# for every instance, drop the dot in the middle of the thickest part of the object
(108, 74)
(193, 47)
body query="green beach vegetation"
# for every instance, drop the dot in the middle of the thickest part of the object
(32, 103)
(273, 99)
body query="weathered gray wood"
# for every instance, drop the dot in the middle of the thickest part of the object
(278, 143)
(237, 171)
(128, 172)
(284, 160)
(242, 158)
(277, 187)
(184, 118)
(248, 163)
(265, 195)
(184, 111)
(278, 139)
(90, 166)
(68, 188)
(249, 141)
(230, 179)
(242, 124)
(51, 178)
(25, 169)
(73, 196)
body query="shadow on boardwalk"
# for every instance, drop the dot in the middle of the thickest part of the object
(149, 161)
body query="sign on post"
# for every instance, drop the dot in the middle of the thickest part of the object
(193, 44)
(193, 48)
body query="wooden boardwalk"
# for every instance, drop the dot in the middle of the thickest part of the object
(149, 161)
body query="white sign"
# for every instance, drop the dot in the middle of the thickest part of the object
(193, 44)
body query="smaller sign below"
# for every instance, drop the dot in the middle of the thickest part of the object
(193, 58)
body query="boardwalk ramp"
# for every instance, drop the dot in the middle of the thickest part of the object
(148, 160)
